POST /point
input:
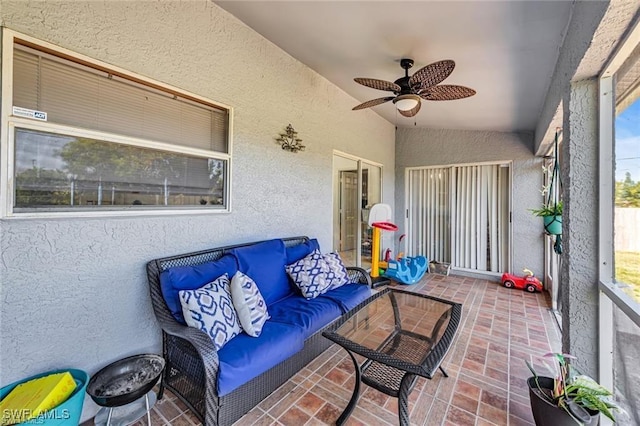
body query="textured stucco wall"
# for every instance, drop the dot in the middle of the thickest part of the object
(74, 291)
(595, 29)
(579, 275)
(585, 17)
(430, 147)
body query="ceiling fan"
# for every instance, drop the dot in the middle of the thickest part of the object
(423, 84)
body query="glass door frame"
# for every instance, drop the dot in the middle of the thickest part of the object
(360, 162)
(452, 247)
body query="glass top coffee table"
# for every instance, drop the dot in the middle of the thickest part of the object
(401, 335)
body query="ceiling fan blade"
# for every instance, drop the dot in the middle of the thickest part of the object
(432, 74)
(373, 102)
(412, 111)
(378, 84)
(446, 92)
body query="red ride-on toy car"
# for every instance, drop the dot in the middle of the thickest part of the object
(527, 282)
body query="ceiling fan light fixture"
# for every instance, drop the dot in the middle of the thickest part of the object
(406, 102)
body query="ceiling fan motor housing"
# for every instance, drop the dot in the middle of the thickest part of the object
(403, 82)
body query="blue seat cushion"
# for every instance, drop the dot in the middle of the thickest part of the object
(245, 357)
(347, 296)
(310, 315)
(190, 278)
(264, 262)
(299, 251)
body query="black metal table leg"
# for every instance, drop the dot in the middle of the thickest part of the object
(403, 398)
(444, 373)
(354, 397)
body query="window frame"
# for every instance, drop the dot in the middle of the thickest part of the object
(610, 293)
(9, 123)
(359, 162)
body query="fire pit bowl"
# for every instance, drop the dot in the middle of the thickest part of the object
(125, 380)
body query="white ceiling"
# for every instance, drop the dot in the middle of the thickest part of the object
(505, 50)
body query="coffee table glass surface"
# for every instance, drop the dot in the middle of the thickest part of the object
(399, 336)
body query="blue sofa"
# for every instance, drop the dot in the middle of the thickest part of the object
(221, 386)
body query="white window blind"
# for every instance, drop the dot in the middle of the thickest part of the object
(429, 224)
(481, 217)
(460, 215)
(80, 96)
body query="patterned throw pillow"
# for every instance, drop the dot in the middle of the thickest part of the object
(249, 304)
(210, 309)
(337, 275)
(310, 275)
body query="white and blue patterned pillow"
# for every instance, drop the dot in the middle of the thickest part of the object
(310, 275)
(249, 304)
(210, 309)
(337, 275)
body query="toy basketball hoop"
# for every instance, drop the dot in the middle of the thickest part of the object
(385, 226)
(380, 213)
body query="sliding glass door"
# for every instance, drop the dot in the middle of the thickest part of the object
(460, 215)
(357, 186)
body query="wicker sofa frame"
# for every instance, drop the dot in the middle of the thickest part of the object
(191, 371)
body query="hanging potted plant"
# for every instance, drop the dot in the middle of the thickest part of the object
(552, 216)
(551, 211)
(568, 398)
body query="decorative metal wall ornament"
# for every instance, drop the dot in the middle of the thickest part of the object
(289, 141)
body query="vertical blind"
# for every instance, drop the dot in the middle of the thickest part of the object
(460, 215)
(429, 213)
(80, 96)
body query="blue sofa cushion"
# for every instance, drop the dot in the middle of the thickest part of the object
(347, 296)
(310, 315)
(246, 357)
(191, 277)
(299, 251)
(264, 262)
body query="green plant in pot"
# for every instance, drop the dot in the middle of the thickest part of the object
(551, 210)
(568, 398)
(552, 216)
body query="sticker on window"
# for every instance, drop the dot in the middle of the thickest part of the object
(29, 113)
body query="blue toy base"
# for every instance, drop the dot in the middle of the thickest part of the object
(407, 270)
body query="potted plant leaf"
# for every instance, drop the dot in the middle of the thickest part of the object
(568, 398)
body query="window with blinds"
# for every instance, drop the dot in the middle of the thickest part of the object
(80, 96)
(61, 165)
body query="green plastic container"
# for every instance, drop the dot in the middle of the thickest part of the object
(553, 224)
(66, 414)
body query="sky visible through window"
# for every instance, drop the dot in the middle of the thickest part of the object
(627, 199)
(628, 143)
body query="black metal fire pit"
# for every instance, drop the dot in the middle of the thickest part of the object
(125, 381)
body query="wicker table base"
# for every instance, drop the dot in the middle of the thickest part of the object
(402, 335)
